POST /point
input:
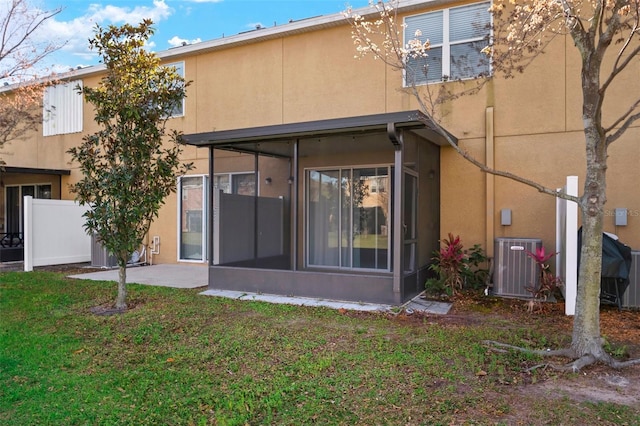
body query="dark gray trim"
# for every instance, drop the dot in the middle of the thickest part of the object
(401, 120)
(35, 171)
(295, 204)
(210, 208)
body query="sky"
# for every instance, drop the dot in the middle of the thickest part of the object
(175, 21)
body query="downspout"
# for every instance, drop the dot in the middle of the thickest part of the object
(490, 183)
(398, 205)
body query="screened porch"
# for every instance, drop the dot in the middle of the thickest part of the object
(347, 209)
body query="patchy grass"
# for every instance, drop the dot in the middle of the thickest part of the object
(179, 358)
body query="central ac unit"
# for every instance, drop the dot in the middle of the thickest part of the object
(514, 269)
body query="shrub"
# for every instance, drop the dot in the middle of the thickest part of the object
(456, 268)
(548, 283)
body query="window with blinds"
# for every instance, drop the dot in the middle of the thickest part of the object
(457, 37)
(62, 109)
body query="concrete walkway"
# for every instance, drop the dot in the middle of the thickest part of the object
(195, 276)
(177, 276)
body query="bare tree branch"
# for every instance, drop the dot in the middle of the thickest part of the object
(434, 125)
(19, 52)
(628, 122)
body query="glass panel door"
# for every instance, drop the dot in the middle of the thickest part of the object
(410, 222)
(13, 209)
(370, 218)
(192, 218)
(324, 217)
(348, 216)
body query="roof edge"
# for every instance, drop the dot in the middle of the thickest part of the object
(401, 120)
(267, 33)
(35, 171)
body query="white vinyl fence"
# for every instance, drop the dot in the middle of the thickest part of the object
(54, 233)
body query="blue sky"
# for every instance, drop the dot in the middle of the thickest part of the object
(176, 21)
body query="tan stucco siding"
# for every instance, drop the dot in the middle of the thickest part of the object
(537, 129)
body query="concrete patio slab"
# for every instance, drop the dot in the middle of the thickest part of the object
(299, 301)
(177, 276)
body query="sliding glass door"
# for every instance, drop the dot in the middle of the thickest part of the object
(348, 217)
(14, 196)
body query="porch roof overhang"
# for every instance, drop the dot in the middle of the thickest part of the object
(35, 171)
(247, 139)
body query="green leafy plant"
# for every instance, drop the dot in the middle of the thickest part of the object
(548, 283)
(474, 272)
(456, 267)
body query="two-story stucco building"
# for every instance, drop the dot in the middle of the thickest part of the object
(314, 173)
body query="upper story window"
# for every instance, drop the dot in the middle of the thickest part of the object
(62, 109)
(178, 110)
(457, 36)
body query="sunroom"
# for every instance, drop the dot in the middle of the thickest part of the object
(355, 216)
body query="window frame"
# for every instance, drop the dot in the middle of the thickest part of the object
(231, 175)
(446, 44)
(205, 214)
(352, 168)
(38, 192)
(180, 69)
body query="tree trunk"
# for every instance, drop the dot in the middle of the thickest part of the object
(121, 300)
(586, 338)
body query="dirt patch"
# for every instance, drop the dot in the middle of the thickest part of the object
(597, 383)
(106, 310)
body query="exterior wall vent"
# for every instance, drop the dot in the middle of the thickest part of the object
(513, 268)
(631, 298)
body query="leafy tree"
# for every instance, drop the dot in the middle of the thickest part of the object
(20, 56)
(130, 165)
(606, 35)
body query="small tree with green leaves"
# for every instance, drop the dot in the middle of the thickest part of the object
(130, 165)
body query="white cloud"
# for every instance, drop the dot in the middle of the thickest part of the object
(78, 31)
(176, 41)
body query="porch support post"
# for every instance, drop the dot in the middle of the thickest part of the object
(294, 206)
(255, 208)
(210, 208)
(397, 245)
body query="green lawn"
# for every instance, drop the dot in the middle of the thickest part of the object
(177, 358)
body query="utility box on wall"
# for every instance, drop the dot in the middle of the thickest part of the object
(514, 269)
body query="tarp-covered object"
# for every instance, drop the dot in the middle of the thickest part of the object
(616, 266)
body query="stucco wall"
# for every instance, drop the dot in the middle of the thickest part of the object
(313, 75)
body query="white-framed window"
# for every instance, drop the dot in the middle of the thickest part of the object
(62, 109)
(192, 218)
(457, 36)
(235, 183)
(178, 111)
